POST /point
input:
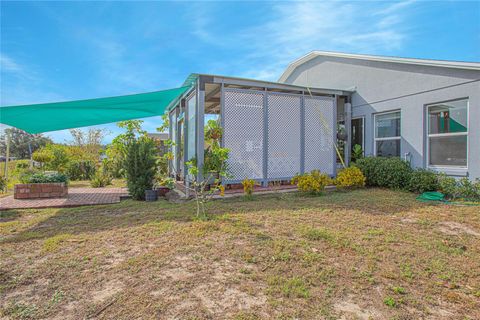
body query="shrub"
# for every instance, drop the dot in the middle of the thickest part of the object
(463, 188)
(357, 152)
(422, 180)
(140, 166)
(469, 190)
(350, 177)
(80, 170)
(248, 185)
(385, 172)
(21, 165)
(448, 186)
(40, 177)
(168, 182)
(3, 184)
(42, 155)
(313, 182)
(100, 179)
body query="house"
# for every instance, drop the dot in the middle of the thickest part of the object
(425, 111)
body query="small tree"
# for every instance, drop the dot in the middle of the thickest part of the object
(205, 189)
(117, 151)
(139, 166)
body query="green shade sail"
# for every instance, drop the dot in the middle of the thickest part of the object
(38, 118)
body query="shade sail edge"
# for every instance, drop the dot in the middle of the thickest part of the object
(45, 117)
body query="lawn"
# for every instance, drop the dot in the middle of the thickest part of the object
(364, 254)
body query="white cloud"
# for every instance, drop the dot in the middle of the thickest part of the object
(294, 29)
(20, 84)
(11, 66)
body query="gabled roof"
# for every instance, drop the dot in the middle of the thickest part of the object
(423, 62)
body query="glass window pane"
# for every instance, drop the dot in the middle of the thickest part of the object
(448, 117)
(357, 132)
(448, 151)
(387, 125)
(388, 148)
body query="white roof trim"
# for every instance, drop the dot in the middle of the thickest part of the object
(424, 62)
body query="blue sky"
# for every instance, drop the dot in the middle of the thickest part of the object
(56, 51)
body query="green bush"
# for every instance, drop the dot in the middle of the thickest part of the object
(469, 190)
(40, 177)
(80, 170)
(391, 173)
(462, 188)
(21, 165)
(448, 186)
(100, 179)
(3, 184)
(422, 180)
(140, 166)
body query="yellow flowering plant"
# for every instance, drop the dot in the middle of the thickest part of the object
(351, 177)
(313, 182)
(248, 185)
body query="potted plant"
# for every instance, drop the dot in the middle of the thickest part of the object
(215, 162)
(163, 185)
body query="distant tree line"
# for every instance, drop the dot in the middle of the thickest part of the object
(22, 144)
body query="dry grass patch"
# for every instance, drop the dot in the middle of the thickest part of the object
(363, 254)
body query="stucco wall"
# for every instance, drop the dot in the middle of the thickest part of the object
(401, 86)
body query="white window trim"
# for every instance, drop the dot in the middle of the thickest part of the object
(461, 169)
(375, 139)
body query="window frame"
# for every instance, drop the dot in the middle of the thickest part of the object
(450, 134)
(375, 139)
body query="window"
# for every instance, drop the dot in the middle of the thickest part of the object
(387, 134)
(447, 133)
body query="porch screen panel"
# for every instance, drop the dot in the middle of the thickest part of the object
(243, 133)
(319, 129)
(173, 130)
(191, 127)
(283, 135)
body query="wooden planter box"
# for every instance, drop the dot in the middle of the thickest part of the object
(40, 190)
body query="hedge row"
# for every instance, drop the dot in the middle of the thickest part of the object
(397, 174)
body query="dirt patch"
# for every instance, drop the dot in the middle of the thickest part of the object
(216, 301)
(455, 228)
(349, 310)
(110, 289)
(409, 220)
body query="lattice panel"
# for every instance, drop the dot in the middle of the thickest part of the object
(319, 128)
(243, 133)
(283, 135)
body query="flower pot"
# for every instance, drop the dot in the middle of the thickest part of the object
(151, 195)
(162, 191)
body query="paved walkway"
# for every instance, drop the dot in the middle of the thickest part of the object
(76, 197)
